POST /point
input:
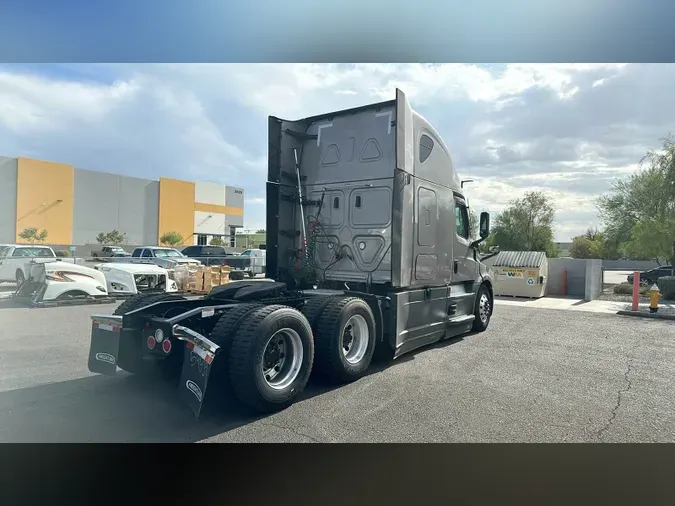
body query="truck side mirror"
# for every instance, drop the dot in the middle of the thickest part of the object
(484, 225)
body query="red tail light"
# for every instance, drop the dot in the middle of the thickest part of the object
(166, 346)
(151, 342)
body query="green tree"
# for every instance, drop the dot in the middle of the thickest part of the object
(590, 244)
(639, 211)
(526, 225)
(112, 237)
(260, 231)
(171, 239)
(652, 239)
(216, 241)
(32, 235)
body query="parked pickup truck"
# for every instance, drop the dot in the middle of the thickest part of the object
(108, 252)
(209, 255)
(251, 262)
(15, 257)
(167, 258)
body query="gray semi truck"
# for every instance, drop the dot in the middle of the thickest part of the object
(369, 254)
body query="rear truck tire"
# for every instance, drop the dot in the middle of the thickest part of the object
(483, 309)
(345, 339)
(169, 367)
(271, 358)
(20, 278)
(223, 334)
(313, 309)
(236, 275)
(227, 325)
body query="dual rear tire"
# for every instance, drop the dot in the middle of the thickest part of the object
(271, 351)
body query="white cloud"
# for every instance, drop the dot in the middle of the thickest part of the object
(568, 129)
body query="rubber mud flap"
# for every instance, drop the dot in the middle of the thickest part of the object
(194, 376)
(104, 348)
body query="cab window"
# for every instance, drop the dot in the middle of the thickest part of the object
(462, 220)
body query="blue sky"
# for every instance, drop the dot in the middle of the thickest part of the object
(569, 130)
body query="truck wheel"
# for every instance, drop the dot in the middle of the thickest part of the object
(483, 310)
(271, 358)
(140, 300)
(345, 339)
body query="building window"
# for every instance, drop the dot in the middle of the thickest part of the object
(202, 239)
(233, 237)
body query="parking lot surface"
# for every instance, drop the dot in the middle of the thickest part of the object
(616, 277)
(536, 375)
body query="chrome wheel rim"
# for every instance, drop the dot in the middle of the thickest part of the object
(484, 308)
(354, 339)
(282, 358)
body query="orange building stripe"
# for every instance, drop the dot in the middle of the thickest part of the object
(45, 192)
(214, 208)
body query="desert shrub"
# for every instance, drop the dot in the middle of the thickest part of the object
(666, 286)
(627, 289)
(62, 253)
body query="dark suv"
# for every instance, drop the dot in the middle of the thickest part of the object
(208, 255)
(652, 275)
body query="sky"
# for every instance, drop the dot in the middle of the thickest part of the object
(569, 130)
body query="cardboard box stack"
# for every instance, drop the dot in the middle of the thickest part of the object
(195, 279)
(207, 277)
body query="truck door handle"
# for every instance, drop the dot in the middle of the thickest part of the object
(455, 266)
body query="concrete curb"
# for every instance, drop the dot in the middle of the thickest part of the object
(653, 316)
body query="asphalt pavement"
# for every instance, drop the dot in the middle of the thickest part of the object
(536, 375)
(616, 277)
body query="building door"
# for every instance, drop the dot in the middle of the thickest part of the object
(233, 238)
(201, 239)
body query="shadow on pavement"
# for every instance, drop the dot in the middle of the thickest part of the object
(128, 408)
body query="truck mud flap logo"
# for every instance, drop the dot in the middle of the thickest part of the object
(105, 357)
(194, 388)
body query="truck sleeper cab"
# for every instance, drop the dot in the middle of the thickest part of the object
(369, 250)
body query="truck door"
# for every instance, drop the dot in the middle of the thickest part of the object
(465, 267)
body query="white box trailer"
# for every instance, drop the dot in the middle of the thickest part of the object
(520, 273)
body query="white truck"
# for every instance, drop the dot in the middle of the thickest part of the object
(167, 258)
(15, 257)
(368, 251)
(132, 279)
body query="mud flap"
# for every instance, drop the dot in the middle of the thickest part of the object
(197, 362)
(105, 341)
